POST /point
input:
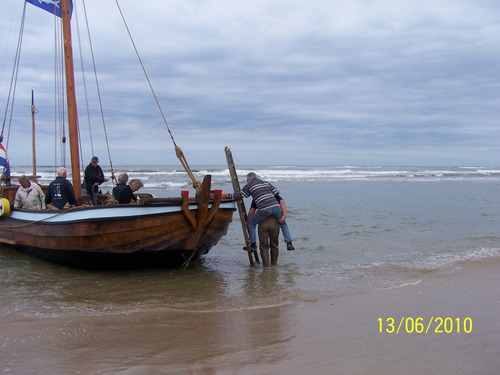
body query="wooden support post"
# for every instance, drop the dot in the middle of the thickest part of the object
(241, 207)
(201, 221)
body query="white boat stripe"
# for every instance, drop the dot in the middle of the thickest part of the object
(102, 213)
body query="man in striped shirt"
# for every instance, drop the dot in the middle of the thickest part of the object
(264, 195)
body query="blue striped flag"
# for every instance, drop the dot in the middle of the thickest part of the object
(51, 6)
(4, 162)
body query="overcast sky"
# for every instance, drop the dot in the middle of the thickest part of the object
(333, 82)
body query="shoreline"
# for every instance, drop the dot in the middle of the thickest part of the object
(340, 335)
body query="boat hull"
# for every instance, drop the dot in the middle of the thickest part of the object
(116, 233)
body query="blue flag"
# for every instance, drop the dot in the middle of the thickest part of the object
(51, 6)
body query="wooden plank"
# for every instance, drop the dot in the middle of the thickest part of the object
(241, 207)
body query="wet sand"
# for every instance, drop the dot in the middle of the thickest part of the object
(338, 335)
(345, 336)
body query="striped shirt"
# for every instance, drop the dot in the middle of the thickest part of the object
(262, 192)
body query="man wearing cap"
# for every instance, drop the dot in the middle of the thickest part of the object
(93, 178)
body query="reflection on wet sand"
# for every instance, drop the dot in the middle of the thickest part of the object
(178, 331)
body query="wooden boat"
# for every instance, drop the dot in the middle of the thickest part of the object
(157, 231)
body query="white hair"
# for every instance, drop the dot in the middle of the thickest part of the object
(61, 171)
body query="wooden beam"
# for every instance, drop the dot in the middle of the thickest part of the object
(241, 207)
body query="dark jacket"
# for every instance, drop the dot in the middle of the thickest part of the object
(126, 195)
(93, 175)
(119, 187)
(60, 192)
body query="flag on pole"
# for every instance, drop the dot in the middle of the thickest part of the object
(4, 163)
(52, 6)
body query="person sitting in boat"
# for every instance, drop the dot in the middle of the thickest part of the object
(93, 177)
(29, 195)
(127, 195)
(60, 191)
(122, 183)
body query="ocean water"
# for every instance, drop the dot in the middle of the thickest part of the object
(356, 230)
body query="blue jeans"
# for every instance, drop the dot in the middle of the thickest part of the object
(286, 232)
(258, 217)
(93, 197)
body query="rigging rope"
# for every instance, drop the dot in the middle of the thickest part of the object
(13, 79)
(178, 150)
(59, 95)
(58, 86)
(82, 67)
(98, 92)
(12, 89)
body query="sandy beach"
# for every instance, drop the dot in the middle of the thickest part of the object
(340, 335)
(344, 336)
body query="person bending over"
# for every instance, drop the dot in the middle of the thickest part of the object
(264, 195)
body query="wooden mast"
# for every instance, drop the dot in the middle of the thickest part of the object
(33, 145)
(71, 98)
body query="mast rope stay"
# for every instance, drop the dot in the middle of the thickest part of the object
(178, 150)
(13, 80)
(98, 89)
(9, 107)
(59, 96)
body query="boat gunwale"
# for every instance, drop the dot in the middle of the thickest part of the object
(85, 213)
